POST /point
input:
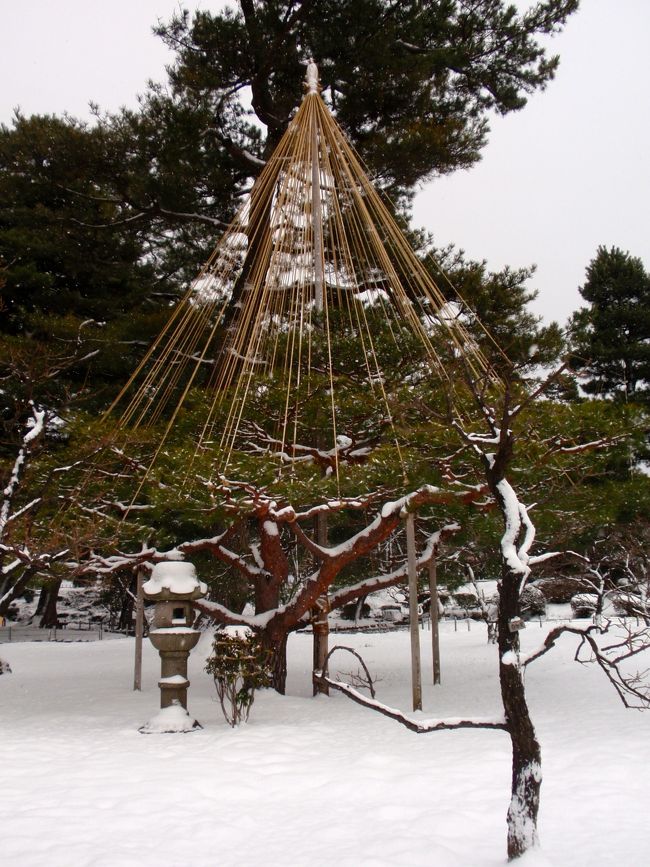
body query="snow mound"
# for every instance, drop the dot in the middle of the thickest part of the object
(170, 720)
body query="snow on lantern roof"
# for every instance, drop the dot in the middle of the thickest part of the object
(174, 579)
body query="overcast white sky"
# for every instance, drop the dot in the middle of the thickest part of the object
(564, 175)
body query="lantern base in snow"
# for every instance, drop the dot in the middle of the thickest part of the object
(173, 719)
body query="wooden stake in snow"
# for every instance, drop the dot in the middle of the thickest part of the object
(416, 669)
(321, 619)
(434, 612)
(139, 624)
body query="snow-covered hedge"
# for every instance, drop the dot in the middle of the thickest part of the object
(584, 604)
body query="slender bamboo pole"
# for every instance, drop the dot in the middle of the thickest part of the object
(416, 667)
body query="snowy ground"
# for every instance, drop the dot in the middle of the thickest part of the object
(310, 781)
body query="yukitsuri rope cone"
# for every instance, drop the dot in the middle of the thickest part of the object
(314, 252)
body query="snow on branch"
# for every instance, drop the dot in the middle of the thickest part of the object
(147, 557)
(35, 429)
(558, 445)
(337, 505)
(389, 579)
(10, 567)
(231, 618)
(335, 558)
(418, 726)
(512, 513)
(24, 509)
(345, 451)
(31, 565)
(125, 508)
(269, 567)
(204, 218)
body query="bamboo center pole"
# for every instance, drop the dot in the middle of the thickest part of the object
(317, 218)
(321, 618)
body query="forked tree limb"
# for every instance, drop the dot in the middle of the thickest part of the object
(359, 657)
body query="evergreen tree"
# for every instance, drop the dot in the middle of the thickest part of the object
(501, 321)
(611, 337)
(140, 196)
(57, 259)
(77, 283)
(410, 82)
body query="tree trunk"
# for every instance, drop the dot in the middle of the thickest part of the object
(9, 592)
(358, 611)
(42, 601)
(526, 753)
(125, 622)
(276, 643)
(47, 605)
(434, 616)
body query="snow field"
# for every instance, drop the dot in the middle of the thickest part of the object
(311, 781)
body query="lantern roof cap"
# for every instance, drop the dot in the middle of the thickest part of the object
(174, 579)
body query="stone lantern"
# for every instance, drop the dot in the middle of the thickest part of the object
(173, 586)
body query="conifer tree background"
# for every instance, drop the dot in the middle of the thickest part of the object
(611, 337)
(140, 196)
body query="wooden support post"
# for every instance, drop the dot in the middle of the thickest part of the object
(320, 616)
(321, 641)
(434, 615)
(416, 669)
(139, 630)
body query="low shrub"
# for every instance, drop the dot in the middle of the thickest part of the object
(240, 665)
(560, 590)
